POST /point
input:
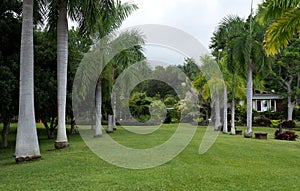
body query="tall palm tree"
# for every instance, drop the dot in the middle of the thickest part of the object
(62, 66)
(86, 13)
(119, 62)
(243, 43)
(95, 64)
(250, 53)
(106, 25)
(284, 17)
(229, 28)
(27, 146)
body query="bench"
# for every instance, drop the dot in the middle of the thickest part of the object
(261, 135)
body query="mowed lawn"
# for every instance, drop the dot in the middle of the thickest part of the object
(232, 163)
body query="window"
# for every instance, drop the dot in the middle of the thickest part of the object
(258, 105)
(264, 105)
(273, 105)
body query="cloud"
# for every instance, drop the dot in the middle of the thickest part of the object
(196, 17)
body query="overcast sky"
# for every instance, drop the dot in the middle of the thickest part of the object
(196, 17)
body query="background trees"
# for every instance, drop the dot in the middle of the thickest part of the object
(286, 72)
(10, 30)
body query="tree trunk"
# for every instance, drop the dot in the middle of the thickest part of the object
(217, 113)
(232, 121)
(249, 88)
(110, 124)
(225, 128)
(291, 105)
(72, 130)
(48, 129)
(5, 131)
(27, 145)
(62, 65)
(232, 124)
(98, 128)
(114, 110)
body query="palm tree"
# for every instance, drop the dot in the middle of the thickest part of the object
(229, 28)
(62, 66)
(105, 26)
(284, 17)
(27, 146)
(122, 61)
(249, 52)
(86, 13)
(214, 83)
(119, 62)
(243, 43)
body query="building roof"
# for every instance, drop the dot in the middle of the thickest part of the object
(267, 96)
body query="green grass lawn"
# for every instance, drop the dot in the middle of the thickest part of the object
(232, 163)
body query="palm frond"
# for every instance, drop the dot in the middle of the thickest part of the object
(279, 34)
(270, 10)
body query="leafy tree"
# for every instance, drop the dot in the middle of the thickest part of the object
(45, 81)
(190, 68)
(79, 44)
(139, 105)
(284, 19)
(10, 30)
(200, 83)
(286, 72)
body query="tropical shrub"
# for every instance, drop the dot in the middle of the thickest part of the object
(241, 114)
(262, 122)
(275, 123)
(288, 124)
(285, 135)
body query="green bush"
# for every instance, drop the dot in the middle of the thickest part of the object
(241, 114)
(275, 123)
(262, 122)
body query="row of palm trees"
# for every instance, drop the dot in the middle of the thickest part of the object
(243, 46)
(96, 18)
(248, 45)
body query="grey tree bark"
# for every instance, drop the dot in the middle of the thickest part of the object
(225, 128)
(291, 105)
(232, 123)
(217, 112)
(27, 146)
(98, 128)
(114, 110)
(110, 124)
(62, 65)
(249, 88)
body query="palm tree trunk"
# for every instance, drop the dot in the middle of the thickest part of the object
(232, 124)
(62, 65)
(27, 146)
(217, 112)
(114, 110)
(114, 101)
(98, 129)
(232, 121)
(225, 128)
(249, 88)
